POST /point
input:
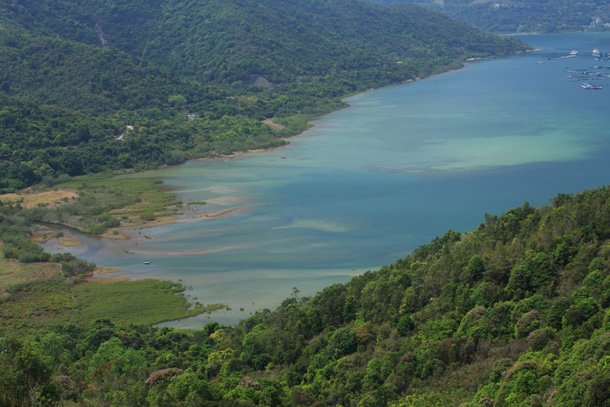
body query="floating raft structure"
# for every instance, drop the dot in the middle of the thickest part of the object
(590, 86)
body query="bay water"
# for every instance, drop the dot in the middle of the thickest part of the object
(368, 184)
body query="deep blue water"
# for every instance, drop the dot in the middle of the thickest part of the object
(368, 184)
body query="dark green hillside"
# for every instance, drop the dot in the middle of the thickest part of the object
(81, 77)
(146, 64)
(514, 313)
(42, 143)
(543, 16)
(281, 40)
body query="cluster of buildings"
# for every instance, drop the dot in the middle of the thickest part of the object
(597, 22)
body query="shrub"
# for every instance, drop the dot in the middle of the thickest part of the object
(149, 216)
(557, 311)
(538, 339)
(405, 324)
(526, 324)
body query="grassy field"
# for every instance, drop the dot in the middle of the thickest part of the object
(46, 198)
(13, 272)
(134, 302)
(39, 305)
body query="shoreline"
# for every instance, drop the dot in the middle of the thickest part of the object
(135, 238)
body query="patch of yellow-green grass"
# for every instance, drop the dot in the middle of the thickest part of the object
(36, 306)
(133, 302)
(69, 241)
(148, 190)
(115, 235)
(32, 199)
(12, 272)
(105, 270)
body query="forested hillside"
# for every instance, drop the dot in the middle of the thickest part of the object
(541, 16)
(514, 313)
(283, 41)
(75, 75)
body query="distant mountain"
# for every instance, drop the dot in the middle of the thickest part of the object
(543, 16)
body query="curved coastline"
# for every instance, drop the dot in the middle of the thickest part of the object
(232, 211)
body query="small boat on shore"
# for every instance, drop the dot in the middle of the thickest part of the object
(590, 86)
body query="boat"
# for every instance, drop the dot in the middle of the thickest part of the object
(146, 262)
(590, 86)
(574, 52)
(596, 53)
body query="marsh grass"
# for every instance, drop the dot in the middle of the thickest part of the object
(38, 305)
(133, 302)
(12, 272)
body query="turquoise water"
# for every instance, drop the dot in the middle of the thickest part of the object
(368, 184)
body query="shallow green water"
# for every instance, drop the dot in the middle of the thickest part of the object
(370, 183)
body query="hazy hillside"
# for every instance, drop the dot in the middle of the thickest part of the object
(543, 16)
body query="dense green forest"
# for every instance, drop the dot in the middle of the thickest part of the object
(510, 16)
(513, 313)
(106, 85)
(283, 41)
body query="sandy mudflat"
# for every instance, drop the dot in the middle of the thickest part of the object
(112, 236)
(105, 270)
(216, 214)
(227, 200)
(69, 241)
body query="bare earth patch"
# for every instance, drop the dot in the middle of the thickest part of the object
(49, 198)
(105, 270)
(41, 238)
(273, 125)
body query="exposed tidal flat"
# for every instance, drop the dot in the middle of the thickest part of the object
(368, 184)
